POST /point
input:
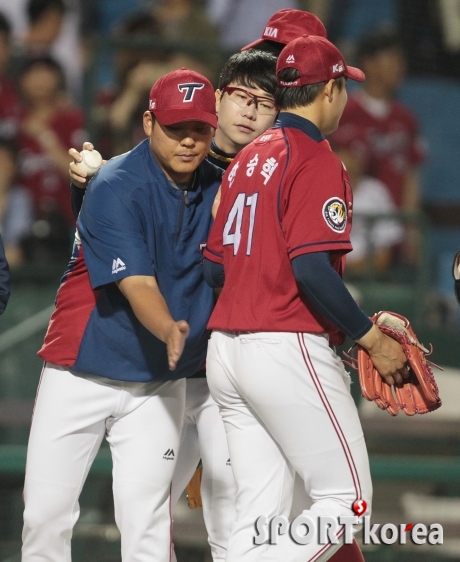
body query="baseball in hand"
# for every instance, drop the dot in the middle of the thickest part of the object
(92, 161)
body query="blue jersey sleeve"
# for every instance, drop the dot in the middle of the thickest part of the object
(114, 245)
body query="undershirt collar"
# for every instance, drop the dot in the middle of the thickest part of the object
(219, 154)
(286, 119)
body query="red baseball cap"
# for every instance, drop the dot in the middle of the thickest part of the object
(317, 60)
(286, 25)
(183, 95)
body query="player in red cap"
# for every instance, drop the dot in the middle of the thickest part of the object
(279, 241)
(246, 82)
(285, 26)
(129, 326)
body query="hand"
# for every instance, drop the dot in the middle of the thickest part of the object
(77, 174)
(175, 341)
(215, 205)
(386, 354)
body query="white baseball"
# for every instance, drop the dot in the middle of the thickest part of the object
(92, 161)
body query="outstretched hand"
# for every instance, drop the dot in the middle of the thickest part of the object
(175, 342)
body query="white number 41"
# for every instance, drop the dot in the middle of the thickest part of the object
(236, 216)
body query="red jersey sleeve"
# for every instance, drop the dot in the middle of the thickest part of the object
(315, 204)
(214, 250)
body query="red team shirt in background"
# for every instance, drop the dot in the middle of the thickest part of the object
(45, 183)
(284, 195)
(389, 140)
(10, 110)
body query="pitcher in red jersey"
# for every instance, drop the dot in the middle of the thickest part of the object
(279, 240)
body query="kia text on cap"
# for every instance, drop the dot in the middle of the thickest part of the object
(183, 95)
(317, 60)
(286, 25)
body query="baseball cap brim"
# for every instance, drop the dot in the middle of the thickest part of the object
(173, 116)
(355, 74)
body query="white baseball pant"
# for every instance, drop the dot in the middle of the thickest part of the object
(142, 423)
(203, 436)
(286, 407)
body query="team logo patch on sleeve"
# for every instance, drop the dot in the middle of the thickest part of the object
(335, 214)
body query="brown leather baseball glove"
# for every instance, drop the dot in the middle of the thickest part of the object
(193, 489)
(418, 394)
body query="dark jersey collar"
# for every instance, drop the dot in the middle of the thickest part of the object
(218, 157)
(286, 119)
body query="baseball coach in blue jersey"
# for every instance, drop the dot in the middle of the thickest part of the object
(129, 325)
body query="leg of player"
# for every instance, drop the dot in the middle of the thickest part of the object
(218, 488)
(72, 414)
(67, 429)
(301, 501)
(258, 464)
(188, 456)
(312, 421)
(144, 442)
(203, 436)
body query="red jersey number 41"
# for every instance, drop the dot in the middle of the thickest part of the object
(233, 226)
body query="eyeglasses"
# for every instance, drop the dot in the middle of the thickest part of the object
(243, 98)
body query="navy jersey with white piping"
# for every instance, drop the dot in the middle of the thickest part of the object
(134, 222)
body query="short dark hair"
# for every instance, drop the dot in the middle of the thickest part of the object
(252, 68)
(268, 46)
(290, 98)
(376, 42)
(36, 8)
(48, 62)
(5, 26)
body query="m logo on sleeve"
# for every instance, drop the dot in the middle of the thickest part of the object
(335, 214)
(189, 90)
(118, 265)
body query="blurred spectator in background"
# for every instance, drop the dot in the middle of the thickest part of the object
(373, 242)
(9, 101)
(49, 124)
(383, 130)
(119, 111)
(47, 27)
(45, 21)
(16, 214)
(349, 20)
(4, 279)
(185, 20)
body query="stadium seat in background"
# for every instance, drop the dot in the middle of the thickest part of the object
(436, 102)
(350, 19)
